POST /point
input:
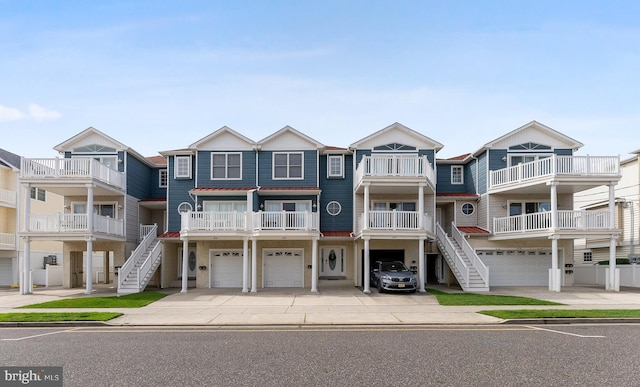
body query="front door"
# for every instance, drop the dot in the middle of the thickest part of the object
(191, 264)
(332, 262)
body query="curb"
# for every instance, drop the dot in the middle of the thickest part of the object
(571, 320)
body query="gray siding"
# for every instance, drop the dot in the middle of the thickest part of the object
(265, 171)
(139, 178)
(248, 171)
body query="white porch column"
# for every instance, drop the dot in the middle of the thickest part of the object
(554, 273)
(245, 265)
(421, 207)
(421, 277)
(356, 280)
(554, 205)
(613, 275)
(367, 266)
(185, 265)
(365, 216)
(25, 284)
(254, 266)
(314, 265)
(90, 215)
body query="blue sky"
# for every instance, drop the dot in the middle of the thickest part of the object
(160, 75)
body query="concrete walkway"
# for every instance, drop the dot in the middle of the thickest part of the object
(337, 303)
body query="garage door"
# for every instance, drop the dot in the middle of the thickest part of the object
(517, 267)
(283, 268)
(226, 269)
(5, 271)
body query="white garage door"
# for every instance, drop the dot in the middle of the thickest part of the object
(283, 269)
(226, 269)
(517, 267)
(5, 271)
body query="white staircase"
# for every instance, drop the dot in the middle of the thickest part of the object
(136, 273)
(469, 270)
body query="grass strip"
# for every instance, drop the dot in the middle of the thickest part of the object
(562, 313)
(135, 300)
(462, 299)
(53, 317)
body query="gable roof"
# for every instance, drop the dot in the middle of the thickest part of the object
(225, 131)
(292, 133)
(9, 159)
(387, 133)
(544, 130)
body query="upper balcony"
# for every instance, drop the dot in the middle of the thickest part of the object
(7, 241)
(73, 171)
(68, 225)
(8, 198)
(394, 171)
(573, 173)
(395, 222)
(235, 223)
(539, 223)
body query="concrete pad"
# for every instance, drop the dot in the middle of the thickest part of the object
(266, 309)
(303, 309)
(327, 300)
(351, 318)
(260, 301)
(445, 318)
(257, 319)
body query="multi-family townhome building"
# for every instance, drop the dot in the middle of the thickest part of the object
(11, 247)
(113, 205)
(592, 252)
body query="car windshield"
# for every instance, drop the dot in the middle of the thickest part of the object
(393, 266)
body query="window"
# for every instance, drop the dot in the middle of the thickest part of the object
(521, 159)
(184, 207)
(587, 256)
(334, 208)
(39, 194)
(102, 209)
(163, 178)
(390, 206)
(515, 208)
(457, 176)
(183, 167)
(287, 165)
(335, 166)
(467, 209)
(226, 166)
(224, 206)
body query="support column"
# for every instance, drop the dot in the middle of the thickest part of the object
(613, 274)
(421, 268)
(554, 206)
(367, 267)
(25, 284)
(421, 207)
(365, 216)
(90, 215)
(555, 273)
(245, 265)
(185, 265)
(355, 264)
(105, 264)
(254, 266)
(314, 265)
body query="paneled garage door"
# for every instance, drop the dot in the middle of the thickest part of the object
(283, 268)
(5, 271)
(517, 267)
(226, 269)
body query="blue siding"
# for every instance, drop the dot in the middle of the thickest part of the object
(340, 190)
(563, 152)
(482, 180)
(495, 159)
(248, 171)
(177, 192)
(470, 176)
(155, 191)
(265, 172)
(444, 180)
(139, 178)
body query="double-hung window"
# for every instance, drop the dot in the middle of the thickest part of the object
(288, 165)
(335, 166)
(182, 168)
(457, 174)
(38, 194)
(226, 166)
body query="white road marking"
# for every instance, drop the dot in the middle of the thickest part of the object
(41, 335)
(564, 333)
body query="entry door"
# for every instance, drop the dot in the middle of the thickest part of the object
(191, 265)
(332, 262)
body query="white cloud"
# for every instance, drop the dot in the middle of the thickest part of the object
(10, 114)
(38, 113)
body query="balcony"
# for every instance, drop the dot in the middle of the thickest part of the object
(8, 198)
(7, 241)
(214, 221)
(572, 169)
(396, 221)
(579, 220)
(392, 169)
(226, 222)
(70, 170)
(75, 223)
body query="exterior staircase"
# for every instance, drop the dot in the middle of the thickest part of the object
(137, 271)
(469, 270)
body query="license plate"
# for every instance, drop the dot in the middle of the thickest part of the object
(401, 285)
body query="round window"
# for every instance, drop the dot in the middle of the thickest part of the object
(184, 207)
(334, 208)
(467, 208)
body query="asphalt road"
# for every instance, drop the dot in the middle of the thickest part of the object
(552, 355)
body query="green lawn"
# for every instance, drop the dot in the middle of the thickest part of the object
(49, 317)
(562, 313)
(462, 299)
(127, 301)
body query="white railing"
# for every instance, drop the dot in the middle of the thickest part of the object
(212, 221)
(395, 165)
(7, 239)
(480, 267)
(8, 197)
(285, 220)
(589, 166)
(74, 222)
(567, 220)
(451, 252)
(146, 229)
(147, 265)
(68, 168)
(136, 254)
(396, 220)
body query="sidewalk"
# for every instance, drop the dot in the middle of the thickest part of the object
(337, 303)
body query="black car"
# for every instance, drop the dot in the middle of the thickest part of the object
(393, 276)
